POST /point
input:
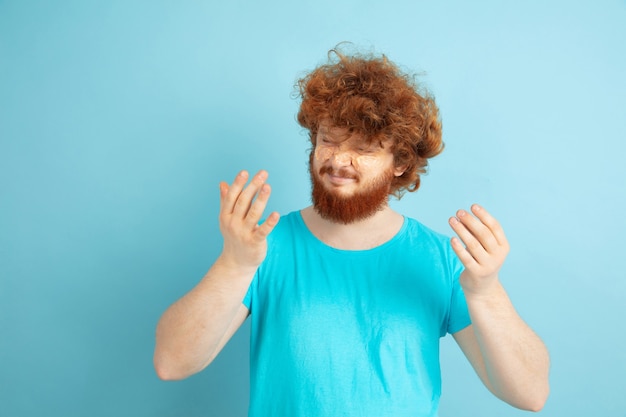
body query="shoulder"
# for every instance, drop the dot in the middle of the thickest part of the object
(290, 224)
(416, 230)
(431, 244)
(291, 220)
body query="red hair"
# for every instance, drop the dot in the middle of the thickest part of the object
(370, 96)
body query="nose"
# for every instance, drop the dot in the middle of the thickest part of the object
(342, 157)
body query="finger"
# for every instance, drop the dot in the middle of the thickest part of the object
(258, 206)
(230, 194)
(268, 225)
(223, 190)
(472, 245)
(493, 225)
(479, 230)
(465, 257)
(224, 214)
(245, 198)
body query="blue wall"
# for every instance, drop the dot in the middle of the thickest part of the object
(119, 118)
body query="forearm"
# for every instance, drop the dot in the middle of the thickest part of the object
(516, 362)
(190, 333)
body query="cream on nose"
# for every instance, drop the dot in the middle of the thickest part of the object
(339, 156)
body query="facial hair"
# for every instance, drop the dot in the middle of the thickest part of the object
(361, 205)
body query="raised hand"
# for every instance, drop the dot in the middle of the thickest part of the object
(241, 209)
(482, 248)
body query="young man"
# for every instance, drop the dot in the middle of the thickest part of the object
(348, 298)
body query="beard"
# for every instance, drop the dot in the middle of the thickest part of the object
(331, 205)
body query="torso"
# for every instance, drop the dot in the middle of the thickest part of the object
(351, 332)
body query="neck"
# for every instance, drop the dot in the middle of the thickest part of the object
(368, 233)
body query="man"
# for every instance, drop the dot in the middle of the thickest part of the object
(348, 298)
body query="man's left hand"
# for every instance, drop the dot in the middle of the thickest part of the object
(482, 248)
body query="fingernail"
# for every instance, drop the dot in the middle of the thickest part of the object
(453, 220)
(461, 213)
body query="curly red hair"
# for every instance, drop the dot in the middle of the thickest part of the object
(370, 96)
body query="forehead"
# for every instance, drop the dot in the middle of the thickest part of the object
(337, 133)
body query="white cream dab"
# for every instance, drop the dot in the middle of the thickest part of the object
(344, 155)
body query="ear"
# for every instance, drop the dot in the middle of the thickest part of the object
(398, 171)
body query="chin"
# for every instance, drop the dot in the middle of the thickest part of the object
(348, 204)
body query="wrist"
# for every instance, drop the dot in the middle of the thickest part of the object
(486, 291)
(232, 266)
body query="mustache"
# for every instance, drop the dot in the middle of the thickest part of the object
(338, 172)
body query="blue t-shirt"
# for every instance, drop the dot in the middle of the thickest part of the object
(352, 333)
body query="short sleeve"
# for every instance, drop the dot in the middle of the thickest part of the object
(459, 317)
(250, 294)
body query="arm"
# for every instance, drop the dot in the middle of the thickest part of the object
(195, 328)
(507, 355)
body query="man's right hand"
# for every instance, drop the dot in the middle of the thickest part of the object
(245, 241)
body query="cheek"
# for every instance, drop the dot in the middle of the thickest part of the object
(369, 162)
(323, 154)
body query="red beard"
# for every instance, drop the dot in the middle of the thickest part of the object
(348, 209)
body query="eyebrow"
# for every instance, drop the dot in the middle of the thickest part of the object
(327, 136)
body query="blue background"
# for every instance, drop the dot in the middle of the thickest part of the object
(119, 118)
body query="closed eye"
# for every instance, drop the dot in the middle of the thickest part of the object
(367, 150)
